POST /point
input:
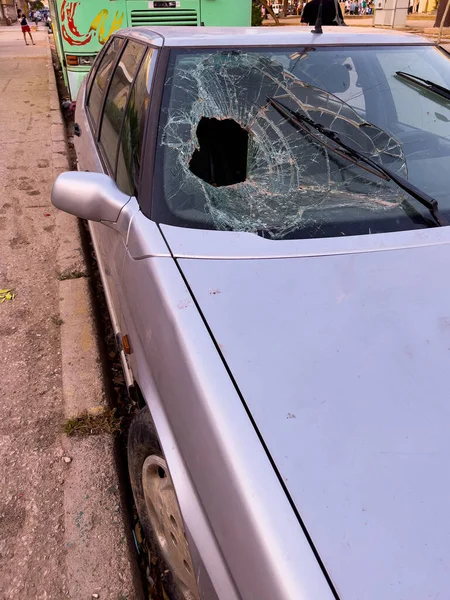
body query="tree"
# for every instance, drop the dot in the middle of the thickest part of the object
(285, 7)
(270, 11)
(256, 14)
(442, 8)
(36, 5)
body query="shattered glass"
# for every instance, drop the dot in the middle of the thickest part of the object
(291, 178)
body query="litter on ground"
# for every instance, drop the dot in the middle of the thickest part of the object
(6, 295)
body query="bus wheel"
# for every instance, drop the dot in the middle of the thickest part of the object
(158, 510)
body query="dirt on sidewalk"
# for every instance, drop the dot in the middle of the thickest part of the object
(39, 472)
(32, 467)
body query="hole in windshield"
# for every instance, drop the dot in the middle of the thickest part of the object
(221, 158)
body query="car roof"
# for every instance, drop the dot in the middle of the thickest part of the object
(197, 37)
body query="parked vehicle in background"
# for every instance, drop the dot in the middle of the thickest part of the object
(267, 213)
(82, 27)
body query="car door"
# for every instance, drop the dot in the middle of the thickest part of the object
(108, 99)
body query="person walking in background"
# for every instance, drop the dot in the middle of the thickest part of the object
(329, 16)
(26, 29)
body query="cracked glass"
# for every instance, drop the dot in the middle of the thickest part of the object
(262, 174)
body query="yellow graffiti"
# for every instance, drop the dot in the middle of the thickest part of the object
(98, 25)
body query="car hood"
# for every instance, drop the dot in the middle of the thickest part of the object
(343, 363)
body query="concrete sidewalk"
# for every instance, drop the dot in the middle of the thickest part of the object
(62, 532)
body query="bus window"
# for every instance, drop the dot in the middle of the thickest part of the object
(116, 100)
(102, 77)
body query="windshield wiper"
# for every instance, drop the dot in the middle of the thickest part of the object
(303, 124)
(425, 83)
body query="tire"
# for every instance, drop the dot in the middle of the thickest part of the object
(146, 464)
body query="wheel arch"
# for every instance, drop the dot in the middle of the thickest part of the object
(212, 574)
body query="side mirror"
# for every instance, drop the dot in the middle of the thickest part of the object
(91, 196)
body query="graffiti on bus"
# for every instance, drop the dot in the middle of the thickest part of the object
(71, 34)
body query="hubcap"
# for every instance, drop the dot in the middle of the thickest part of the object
(165, 518)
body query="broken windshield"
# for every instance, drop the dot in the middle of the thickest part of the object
(227, 159)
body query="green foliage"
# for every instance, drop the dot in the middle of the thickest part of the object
(256, 14)
(36, 5)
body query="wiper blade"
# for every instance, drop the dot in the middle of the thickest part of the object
(425, 83)
(303, 124)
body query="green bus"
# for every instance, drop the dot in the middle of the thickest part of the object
(81, 27)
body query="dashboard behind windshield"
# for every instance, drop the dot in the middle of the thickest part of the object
(227, 160)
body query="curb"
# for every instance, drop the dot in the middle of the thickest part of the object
(99, 558)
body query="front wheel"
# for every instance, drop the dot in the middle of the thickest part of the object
(158, 510)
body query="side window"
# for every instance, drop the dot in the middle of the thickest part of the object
(130, 149)
(116, 99)
(101, 78)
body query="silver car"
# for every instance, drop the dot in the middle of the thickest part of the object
(268, 208)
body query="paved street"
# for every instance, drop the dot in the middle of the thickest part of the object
(11, 40)
(61, 533)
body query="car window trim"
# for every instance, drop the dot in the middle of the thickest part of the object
(145, 53)
(153, 68)
(151, 127)
(443, 50)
